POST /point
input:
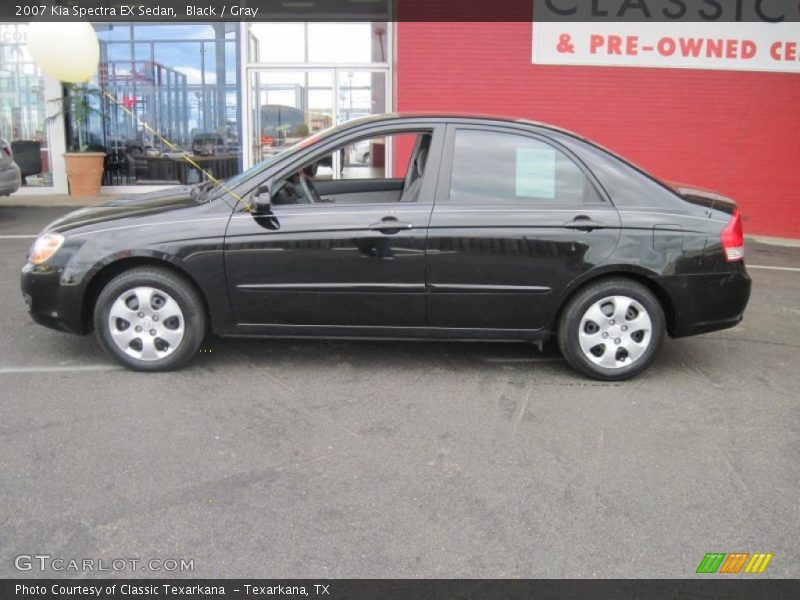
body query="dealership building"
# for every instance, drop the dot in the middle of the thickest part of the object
(712, 105)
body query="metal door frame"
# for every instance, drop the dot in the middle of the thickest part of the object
(246, 68)
(247, 113)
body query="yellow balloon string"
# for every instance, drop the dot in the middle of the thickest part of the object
(173, 147)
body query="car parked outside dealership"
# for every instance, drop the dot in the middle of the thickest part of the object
(476, 228)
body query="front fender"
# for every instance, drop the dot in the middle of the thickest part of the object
(199, 261)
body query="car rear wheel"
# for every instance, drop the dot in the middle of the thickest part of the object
(612, 329)
(150, 319)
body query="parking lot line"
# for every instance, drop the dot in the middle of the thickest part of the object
(773, 268)
(57, 369)
(520, 360)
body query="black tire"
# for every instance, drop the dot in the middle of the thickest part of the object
(177, 288)
(573, 314)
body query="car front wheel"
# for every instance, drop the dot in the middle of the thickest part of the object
(612, 330)
(150, 319)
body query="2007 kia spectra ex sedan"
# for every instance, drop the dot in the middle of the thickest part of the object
(458, 228)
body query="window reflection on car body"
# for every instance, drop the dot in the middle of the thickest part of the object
(202, 191)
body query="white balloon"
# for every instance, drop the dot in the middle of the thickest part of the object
(67, 51)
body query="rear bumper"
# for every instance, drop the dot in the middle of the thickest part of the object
(707, 302)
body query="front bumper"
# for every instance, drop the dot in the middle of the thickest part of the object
(49, 302)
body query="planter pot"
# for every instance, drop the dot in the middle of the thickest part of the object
(84, 172)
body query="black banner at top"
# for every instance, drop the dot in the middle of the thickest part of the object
(770, 11)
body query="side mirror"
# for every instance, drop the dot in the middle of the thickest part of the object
(261, 200)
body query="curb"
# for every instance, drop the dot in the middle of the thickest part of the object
(773, 241)
(57, 200)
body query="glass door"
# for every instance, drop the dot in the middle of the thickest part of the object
(363, 93)
(288, 105)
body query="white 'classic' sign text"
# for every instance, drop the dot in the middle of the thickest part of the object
(731, 46)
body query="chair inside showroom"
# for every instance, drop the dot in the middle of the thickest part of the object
(115, 168)
(136, 164)
(28, 156)
(413, 183)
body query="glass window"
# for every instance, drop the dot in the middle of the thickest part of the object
(504, 167)
(347, 42)
(277, 42)
(23, 107)
(361, 93)
(342, 43)
(367, 158)
(181, 81)
(288, 106)
(173, 31)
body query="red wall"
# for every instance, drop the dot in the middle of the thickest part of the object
(730, 131)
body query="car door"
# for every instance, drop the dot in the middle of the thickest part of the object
(517, 218)
(343, 262)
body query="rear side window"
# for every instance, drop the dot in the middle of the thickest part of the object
(628, 186)
(490, 166)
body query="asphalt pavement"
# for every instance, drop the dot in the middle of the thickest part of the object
(400, 459)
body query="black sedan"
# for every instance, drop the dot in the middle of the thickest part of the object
(456, 228)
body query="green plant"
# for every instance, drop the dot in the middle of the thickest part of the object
(77, 104)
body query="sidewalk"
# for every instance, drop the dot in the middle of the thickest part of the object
(49, 200)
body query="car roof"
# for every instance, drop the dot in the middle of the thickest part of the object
(455, 117)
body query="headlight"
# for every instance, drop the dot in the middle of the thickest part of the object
(44, 247)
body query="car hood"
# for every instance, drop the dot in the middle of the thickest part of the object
(171, 200)
(703, 197)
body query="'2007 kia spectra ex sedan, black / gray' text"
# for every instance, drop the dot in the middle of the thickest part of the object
(450, 227)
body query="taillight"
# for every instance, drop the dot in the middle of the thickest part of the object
(7, 151)
(732, 238)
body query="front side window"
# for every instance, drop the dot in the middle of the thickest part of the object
(369, 158)
(385, 168)
(490, 166)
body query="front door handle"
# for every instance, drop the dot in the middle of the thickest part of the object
(584, 223)
(390, 226)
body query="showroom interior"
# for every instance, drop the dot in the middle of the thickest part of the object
(230, 94)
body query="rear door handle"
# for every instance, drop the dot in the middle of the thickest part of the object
(584, 223)
(390, 225)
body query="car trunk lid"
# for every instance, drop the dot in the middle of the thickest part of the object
(704, 197)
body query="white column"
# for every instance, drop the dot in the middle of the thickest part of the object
(56, 138)
(244, 85)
